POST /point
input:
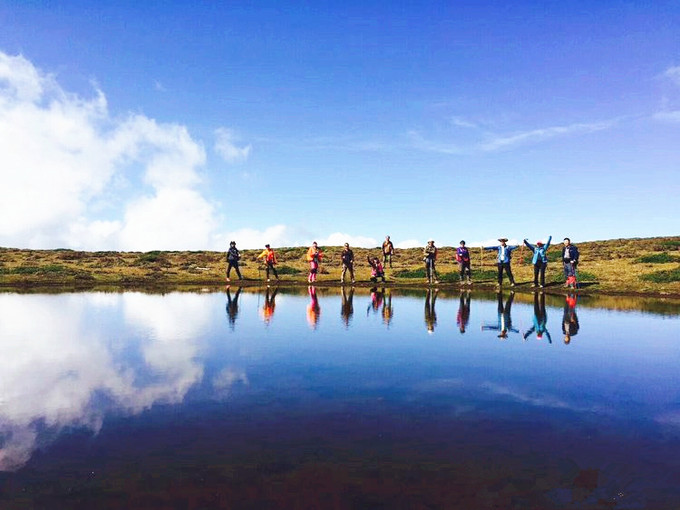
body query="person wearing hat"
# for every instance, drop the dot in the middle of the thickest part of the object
(539, 260)
(503, 259)
(430, 257)
(347, 257)
(269, 259)
(233, 257)
(463, 259)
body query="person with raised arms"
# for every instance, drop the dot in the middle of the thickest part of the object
(503, 259)
(539, 260)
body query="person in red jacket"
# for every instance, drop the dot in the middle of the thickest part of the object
(269, 259)
(313, 257)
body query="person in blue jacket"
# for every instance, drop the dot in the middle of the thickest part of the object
(503, 259)
(540, 326)
(539, 260)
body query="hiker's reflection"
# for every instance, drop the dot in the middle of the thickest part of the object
(377, 297)
(387, 308)
(347, 308)
(269, 304)
(504, 323)
(232, 306)
(313, 309)
(540, 326)
(463, 316)
(569, 318)
(430, 312)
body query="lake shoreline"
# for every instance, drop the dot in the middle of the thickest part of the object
(627, 267)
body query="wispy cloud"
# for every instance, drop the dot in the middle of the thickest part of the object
(226, 145)
(543, 134)
(673, 74)
(463, 123)
(669, 116)
(421, 143)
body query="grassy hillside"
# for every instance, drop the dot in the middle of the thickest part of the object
(647, 266)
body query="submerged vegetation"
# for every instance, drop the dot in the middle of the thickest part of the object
(644, 266)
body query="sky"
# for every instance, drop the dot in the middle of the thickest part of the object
(184, 125)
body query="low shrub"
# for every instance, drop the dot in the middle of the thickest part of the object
(287, 270)
(668, 276)
(406, 273)
(657, 258)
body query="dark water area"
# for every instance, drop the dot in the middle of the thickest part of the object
(330, 398)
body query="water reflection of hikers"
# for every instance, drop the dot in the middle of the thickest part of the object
(463, 316)
(232, 306)
(347, 257)
(463, 259)
(269, 304)
(430, 312)
(387, 251)
(504, 324)
(313, 308)
(570, 324)
(570, 258)
(347, 307)
(387, 308)
(430, 258)
(233, 257)
(377, 297)
(503, 260)
(377, 270)
(539, 260)
(269, 259)
(540, 319)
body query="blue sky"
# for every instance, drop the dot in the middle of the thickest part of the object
(183, 125)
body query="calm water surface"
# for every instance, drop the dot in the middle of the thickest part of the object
(330, 399)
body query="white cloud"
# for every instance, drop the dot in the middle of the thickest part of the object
(53, 368)
(673, 74)
(539, 135)
(463, 123)
(61, 155)
(409, 243)
(226, 146)
(491, 242)
(669, 116)
(339, 239)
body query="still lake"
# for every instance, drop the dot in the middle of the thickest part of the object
(330, 398)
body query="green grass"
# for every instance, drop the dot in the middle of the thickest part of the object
(287, 270)
(485, 274)
(26, 270)
(670, 244)
(415, 273)
(657, 258)
(671, 275)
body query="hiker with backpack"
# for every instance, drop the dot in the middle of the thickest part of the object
(233, 257)
(269, 259)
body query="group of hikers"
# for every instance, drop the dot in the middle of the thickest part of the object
(569, 256)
